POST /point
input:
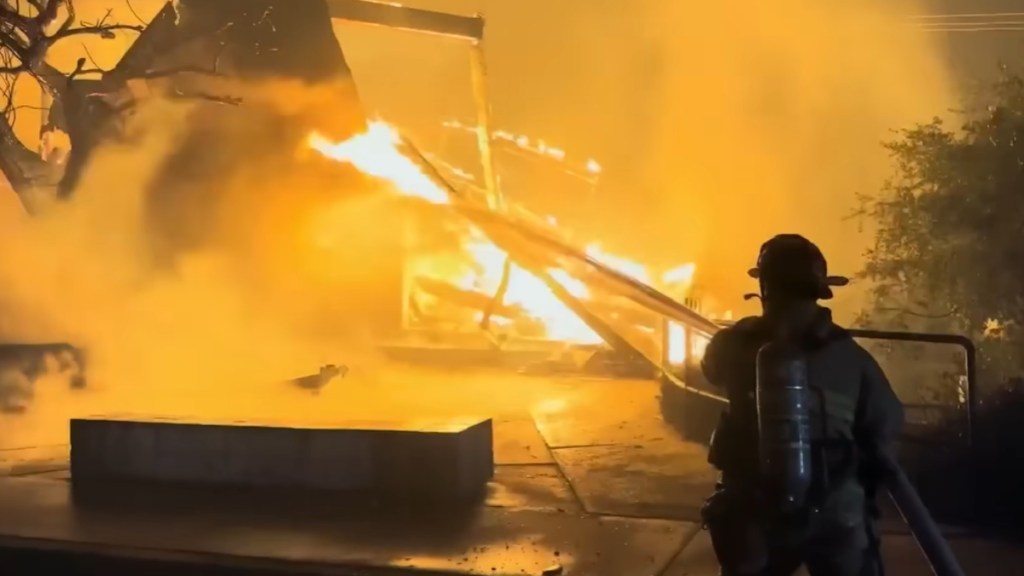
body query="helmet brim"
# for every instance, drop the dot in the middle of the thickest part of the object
(755, 273)
(826, 288)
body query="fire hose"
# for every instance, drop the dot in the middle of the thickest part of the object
(922, 526)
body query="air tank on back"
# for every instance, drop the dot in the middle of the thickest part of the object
(784, 424)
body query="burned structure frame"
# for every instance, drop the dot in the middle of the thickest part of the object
(465, 28)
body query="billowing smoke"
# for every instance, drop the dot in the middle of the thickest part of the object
(282, 280)
(718, 124)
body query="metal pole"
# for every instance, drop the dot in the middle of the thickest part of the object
(922, 526)
(484, 133)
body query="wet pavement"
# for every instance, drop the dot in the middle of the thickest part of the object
(589, 481)
(488, 540)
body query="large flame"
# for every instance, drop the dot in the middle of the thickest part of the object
(377, 153)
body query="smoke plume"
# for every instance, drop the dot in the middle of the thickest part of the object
(282, 278)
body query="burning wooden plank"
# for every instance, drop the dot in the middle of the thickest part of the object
(468, 298)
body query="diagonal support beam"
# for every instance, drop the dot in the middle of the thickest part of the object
(535, 266)
(611, 279)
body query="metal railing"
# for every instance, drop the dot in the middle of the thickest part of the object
(963, 342)
(680, 336)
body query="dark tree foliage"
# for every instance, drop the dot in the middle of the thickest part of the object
(948, 254)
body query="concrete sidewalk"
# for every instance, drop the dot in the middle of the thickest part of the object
(589, 481)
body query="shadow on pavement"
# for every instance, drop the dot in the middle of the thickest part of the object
(271, 507)
(692, 416)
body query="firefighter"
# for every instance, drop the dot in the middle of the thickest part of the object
(855, 415)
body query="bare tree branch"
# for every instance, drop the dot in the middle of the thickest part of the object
(27, 32)
(96, 67)
(134, 13)
(105, 31)
(81, 69)
(229, 100)
(26, 36)
(157, 74)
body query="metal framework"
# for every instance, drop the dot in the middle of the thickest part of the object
(690, 336)
(970, 361)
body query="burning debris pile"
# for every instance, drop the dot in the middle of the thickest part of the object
(477, 285)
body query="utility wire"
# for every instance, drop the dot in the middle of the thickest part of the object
(969, 22)
(975, 15)
(980, 28)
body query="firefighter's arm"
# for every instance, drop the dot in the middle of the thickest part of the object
(713, 364)
(882, 411)
(879, 418)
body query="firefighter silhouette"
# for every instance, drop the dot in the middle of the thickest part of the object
(797, 449)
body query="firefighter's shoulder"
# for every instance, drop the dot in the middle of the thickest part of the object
(856, 350)
(860, 357)
(735, 334)
(743, 328)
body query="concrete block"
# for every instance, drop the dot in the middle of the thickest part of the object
(445, 458)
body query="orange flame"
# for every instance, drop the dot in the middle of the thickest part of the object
(377, 153)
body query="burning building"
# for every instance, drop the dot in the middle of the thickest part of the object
(476, 269)
(455, 263)
(510, 275)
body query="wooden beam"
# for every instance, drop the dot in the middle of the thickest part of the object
(411, 19)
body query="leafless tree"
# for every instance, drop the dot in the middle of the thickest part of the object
(28, 30)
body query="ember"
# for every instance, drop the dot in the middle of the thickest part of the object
(534, 146)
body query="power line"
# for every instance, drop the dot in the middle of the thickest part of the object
(975, 23)
(979, 28)
(977, 15)
(968, 22)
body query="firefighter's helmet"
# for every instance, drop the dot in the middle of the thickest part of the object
(792, 265)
